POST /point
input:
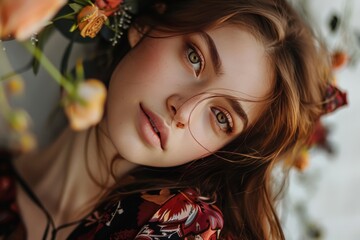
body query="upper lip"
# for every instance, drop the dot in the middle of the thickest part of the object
(159, 124)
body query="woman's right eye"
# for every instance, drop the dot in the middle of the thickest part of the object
(195, 59)
(223, 119)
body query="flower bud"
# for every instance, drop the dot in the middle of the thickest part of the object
(14, 86)
(19, 120)
(89, 110)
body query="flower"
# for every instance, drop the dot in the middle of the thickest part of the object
(108, 6)
(339, 59)
(15, 86)
(89, 110)
(21, 18)
(301, 161)
(90, 21)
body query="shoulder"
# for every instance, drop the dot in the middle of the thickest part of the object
(185, 214)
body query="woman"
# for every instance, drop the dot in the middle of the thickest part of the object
(210, 96)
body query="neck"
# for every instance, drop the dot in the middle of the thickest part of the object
(77, 170)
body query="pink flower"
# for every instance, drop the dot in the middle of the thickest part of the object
(108, 6)
(21, 18)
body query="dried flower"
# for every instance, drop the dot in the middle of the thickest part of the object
(21, 18)
(90, 21)
(108, 6)
(89, 110)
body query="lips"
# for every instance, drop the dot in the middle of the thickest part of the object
(158, 126)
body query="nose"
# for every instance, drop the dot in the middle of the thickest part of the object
(180, 109)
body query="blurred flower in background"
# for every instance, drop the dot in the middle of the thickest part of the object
(83, 101)
(88, 109)
(22, 18)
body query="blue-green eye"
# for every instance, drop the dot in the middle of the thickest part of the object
(223, 119)
(195, 60)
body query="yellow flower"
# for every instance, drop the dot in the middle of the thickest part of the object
(21, 18)
(87, 112)
(15, 86)
(90, 21)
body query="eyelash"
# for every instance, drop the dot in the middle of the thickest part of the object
(191, 49)
(229, 121)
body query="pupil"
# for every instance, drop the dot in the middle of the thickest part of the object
(194, 58)
(221, 118)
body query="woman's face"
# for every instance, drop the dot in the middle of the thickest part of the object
(172, 100)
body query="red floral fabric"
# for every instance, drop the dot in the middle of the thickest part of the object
(156, 215)
(164, 214)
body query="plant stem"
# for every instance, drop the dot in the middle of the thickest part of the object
(49, 67)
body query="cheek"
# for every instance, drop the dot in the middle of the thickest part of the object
(201, 128)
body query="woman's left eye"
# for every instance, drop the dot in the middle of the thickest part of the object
(195, 59)
(223, 119)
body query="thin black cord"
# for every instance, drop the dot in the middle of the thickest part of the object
(50, 221)
(35, 199)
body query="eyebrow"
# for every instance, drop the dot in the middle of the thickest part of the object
(239, 110)
(214, 55)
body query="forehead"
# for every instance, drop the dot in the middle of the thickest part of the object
(246, 69)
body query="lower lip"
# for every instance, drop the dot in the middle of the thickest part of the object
(147, 131)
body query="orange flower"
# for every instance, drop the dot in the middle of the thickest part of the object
(21, 18)
(90, 20)
(89, 112)
(339, 59)
(108, 6)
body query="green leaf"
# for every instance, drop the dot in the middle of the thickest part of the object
(79, 70)
(70, 16)
(76, 7)
(73, 27)
(83, 2)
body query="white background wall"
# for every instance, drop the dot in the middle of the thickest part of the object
(330, 187)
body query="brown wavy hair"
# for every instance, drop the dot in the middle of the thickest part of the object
(240, 174)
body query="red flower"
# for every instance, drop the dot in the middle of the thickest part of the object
(108, 6)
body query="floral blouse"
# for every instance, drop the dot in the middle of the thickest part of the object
(155, 215)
